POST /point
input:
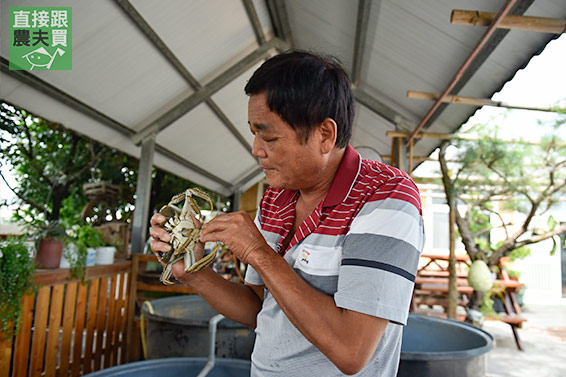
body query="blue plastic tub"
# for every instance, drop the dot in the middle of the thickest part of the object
(177, 367)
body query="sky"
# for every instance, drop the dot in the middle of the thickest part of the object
(542, 83)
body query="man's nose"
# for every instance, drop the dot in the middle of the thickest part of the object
(257, 148)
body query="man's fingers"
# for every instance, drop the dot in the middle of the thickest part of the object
(157, 219)
(198, 224)
(158, 233)
(157, 245)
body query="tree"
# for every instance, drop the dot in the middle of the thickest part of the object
(51, 163)
(519, 176)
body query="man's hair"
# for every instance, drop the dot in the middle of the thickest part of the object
(304, 89)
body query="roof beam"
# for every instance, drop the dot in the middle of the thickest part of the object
(529, 23)
(279, 19)
(201, 95)
(256, 175)
(63, 97)
(480, 57)
(360, 39)
(377, 106)
(140, 22)
(479, 102)
(254, 20)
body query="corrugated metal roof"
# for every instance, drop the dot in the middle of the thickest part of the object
(130, 85)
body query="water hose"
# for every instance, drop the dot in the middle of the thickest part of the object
(142, 326)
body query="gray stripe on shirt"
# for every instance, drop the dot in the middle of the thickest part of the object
(384, 249)
(326, 284)
(393, 204)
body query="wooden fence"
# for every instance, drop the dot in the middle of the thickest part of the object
(70, 328)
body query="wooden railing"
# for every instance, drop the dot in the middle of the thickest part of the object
(70, 328)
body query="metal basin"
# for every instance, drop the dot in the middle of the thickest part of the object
(178, 327)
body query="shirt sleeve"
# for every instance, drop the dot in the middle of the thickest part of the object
(252, 277)
(380, 254)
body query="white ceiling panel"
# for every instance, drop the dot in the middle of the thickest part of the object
(119, 72)
(116, 70)
(370, 129)
(324, 26)
(205, 35)
(202, 139)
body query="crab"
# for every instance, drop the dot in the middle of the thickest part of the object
(184, 233)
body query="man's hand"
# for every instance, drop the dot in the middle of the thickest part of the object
(237, 231)
(160, 244)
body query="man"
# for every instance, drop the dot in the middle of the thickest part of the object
(336, 242)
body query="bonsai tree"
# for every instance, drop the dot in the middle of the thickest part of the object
(527, 178)
(16, 280)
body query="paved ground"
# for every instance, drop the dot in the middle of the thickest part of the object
(544, 340)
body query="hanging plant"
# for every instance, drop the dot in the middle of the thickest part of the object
(16, 280)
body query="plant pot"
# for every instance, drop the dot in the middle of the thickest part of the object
(91, 255)
(49, 253)
(71, 251)
(105, 255)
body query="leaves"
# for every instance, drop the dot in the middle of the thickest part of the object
(16, 272)
(47, 160)
(554, 247)
(551, 223)
(497, 180)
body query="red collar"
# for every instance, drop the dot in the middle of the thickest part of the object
(341, 185)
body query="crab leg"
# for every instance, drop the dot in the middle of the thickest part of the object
(196, 267)
(189, 260)
(166, 257)
(167, 271)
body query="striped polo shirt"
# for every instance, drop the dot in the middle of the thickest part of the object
(361, 245)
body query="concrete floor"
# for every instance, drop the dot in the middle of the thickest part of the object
(544, 340)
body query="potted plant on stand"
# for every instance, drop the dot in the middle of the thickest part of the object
(49, 239)
(16, 279)
(81, 250)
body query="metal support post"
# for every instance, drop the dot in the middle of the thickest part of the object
(235, 199)
(143, 190)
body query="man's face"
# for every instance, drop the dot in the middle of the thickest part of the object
(286, 162)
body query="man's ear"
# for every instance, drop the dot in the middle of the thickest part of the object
(327, 130)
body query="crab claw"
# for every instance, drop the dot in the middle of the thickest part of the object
(169, 211)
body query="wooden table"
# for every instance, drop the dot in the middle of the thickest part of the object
(431, 288)
(438, 263)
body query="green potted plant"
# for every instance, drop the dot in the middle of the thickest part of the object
(16, 280)
(90, 239)
(50, 237)
(81, 249)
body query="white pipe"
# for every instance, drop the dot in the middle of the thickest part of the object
(211, 353)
